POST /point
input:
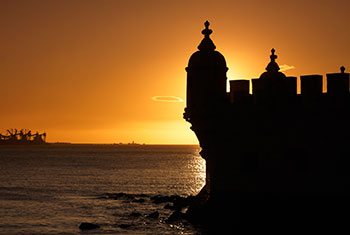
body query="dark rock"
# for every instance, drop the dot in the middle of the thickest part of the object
(117, 196)
(175, 216)
(135, 214)
(162, 199)
(128, 196)
(183, 202)
(141, 200)
(124, 226)
(153, 215)
(88, 226)
(168, 206)
(174, 207)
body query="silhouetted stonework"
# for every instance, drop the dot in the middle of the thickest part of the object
(273, 143)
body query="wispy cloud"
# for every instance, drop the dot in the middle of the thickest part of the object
(167, 99)
(285, 67)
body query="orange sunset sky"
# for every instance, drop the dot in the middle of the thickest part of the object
(108, 71)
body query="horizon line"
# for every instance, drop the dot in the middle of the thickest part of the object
(130, 144)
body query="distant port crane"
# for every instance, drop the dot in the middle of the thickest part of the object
(23, 136)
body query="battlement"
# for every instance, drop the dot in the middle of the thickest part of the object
(207, 96)
(284, 90)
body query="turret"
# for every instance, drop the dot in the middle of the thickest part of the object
(206, 77)
(273, 86)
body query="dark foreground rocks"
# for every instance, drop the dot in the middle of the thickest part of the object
(177, 204)
(88, 226)
(275, 214)
(153, 215)
(175, 217)
(124, 226)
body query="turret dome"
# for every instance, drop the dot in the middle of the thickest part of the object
(204, 59)
(206, 76)
(207, 56)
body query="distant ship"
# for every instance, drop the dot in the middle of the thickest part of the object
(22, 137)
(133, 143)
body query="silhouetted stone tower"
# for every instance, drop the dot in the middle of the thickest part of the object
(273, 144)
(206, 90)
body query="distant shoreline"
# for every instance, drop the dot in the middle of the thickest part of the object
(93, 144)
(120, 144)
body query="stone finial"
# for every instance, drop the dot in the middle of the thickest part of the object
(342, 69)
(206, 44)
(273, 66)
(206, 32)
(273, 57)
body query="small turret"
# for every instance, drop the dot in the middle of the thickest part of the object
(206, 76)
(272, 69)
(273, 86)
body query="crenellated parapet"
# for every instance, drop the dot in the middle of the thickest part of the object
(274, 87)
(207, 98)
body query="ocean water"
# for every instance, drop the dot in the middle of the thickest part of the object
(53, 189)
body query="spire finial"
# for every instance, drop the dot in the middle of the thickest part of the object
(206, 44)
(206, 32)
(342, 69)
(273, 66)
(273, 56)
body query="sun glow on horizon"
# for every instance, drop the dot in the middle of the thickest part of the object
(169, 132)
(233, 73)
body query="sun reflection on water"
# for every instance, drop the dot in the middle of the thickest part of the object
(197, 168)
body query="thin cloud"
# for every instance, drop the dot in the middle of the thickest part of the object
(167, 99)
(285, 67)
